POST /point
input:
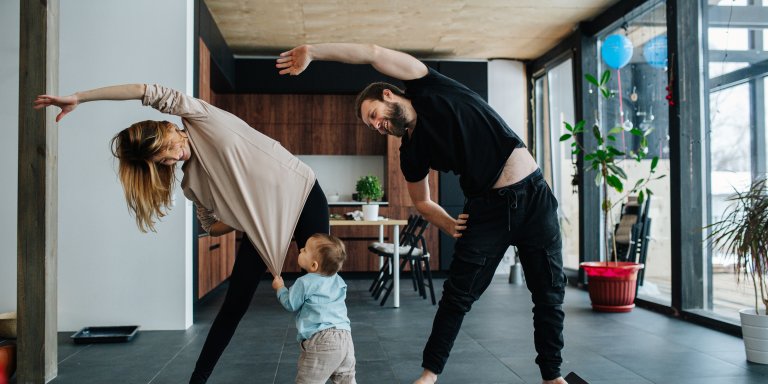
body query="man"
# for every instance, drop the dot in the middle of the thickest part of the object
(446, 126)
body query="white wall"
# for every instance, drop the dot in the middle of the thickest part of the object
(9, 155)
(109, 272)
(507, 93)
(339, 174)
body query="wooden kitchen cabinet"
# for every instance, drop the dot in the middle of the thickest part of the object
(215, 258)
(307, 124)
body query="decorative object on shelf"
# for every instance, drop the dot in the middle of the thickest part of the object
(369, 189)
(333, 198)
(356, 215)
(742, 234)
(612, 284)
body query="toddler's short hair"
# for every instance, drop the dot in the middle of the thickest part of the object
(331, 253)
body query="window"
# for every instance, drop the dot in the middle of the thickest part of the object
(639, 101)
(555, 106)
(736, 137)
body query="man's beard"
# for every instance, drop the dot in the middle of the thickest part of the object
(396, 118)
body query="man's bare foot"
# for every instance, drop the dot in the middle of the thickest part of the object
(427, 377)
(559, 380)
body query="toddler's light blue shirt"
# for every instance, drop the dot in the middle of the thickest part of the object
(318, 302)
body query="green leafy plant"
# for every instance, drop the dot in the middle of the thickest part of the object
(369, 188)
(743, 234)
(605, 160)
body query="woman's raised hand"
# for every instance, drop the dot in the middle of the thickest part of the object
(66, 103)
(295, 61)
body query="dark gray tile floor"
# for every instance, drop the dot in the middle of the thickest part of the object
(494, 346)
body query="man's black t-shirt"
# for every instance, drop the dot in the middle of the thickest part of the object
(456, 130)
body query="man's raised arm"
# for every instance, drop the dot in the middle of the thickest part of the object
(389, 62)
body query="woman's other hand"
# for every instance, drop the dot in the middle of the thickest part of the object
(66, 103)
(277, 283)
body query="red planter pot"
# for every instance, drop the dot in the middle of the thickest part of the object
(612, 285)
(7, 361)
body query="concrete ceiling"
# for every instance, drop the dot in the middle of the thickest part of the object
(460, 29)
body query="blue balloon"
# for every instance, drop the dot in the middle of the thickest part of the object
(616, 51)
(655, 51)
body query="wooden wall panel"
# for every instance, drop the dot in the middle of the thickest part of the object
(306, 124)
(369, 142)
(204, 85)
(337, 109)
(333, 139)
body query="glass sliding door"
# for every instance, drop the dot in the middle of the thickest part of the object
(554, 107)
(638, 100)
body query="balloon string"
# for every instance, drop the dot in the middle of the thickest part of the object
(621, 111)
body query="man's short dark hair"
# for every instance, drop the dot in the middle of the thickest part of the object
(375, 91)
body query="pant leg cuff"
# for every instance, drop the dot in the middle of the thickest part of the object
(550, 373)
(432, 368)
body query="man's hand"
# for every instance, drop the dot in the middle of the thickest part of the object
(461, 224)
(295, 61)
(277, 283)
(66, 103)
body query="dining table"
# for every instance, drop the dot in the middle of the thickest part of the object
(382, 223)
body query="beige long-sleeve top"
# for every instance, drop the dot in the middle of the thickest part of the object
(246, 179)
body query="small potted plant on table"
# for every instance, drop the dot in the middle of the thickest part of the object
(369, 189)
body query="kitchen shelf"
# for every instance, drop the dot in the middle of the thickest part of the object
(346, 203)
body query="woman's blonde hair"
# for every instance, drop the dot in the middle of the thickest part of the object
(148, 186)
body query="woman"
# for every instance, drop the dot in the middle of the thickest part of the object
(231, 173)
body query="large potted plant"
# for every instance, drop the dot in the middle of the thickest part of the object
(742, 234)
(612, 284)
(369, 189)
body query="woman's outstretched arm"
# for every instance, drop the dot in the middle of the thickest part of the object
(69, 103)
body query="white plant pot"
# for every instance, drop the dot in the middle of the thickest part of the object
(371, 212)
(754, 328)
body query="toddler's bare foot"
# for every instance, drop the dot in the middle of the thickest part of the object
(559, 380)
(427, 377)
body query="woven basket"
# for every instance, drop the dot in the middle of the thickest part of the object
(8, 325)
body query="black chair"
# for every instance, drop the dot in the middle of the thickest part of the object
(632, 234)
(379, 249)
(413, 252)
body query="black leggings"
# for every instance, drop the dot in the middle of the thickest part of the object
(246, 273)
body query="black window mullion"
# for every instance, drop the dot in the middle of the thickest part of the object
(757, 99)
(686, 39)
(590, 247)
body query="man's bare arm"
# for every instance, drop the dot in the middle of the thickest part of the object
(434, 213)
